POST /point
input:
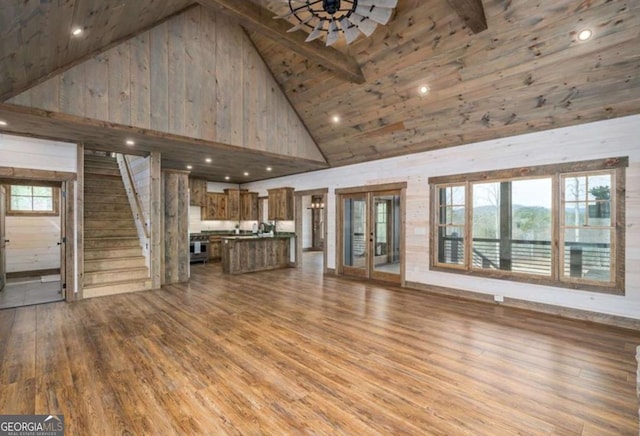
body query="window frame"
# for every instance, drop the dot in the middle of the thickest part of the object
(557, 172)
(55, 192)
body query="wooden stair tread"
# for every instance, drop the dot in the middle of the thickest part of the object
(117, 283)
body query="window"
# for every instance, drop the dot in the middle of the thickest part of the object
(560, 225)
(32, 200)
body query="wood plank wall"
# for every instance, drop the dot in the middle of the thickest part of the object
(196, 75)
(176, 226)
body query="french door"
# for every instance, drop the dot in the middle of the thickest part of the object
(371, 235)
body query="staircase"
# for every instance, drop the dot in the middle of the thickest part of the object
(113, 260)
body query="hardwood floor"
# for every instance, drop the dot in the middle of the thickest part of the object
(290, 351)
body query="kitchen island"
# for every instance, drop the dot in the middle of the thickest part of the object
(243, 254)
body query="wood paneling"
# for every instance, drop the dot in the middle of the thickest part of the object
(527, 72)
(254, 254)
(343, 357)
(167, 76)
(233, 204)
(176, 226)
(37, 41)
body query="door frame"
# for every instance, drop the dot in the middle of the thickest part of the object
(298, 220)
(3, 244)
(67, 183)
(370, 191)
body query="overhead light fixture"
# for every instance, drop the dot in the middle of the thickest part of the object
(227, 177)
(130, 142)
(208, 160)
(269, 168)
(335, 119)
(189, 167)
(585, 34)
(3, 123)
(424, 90)
(246, 173)
(335, 18)
(77, 31)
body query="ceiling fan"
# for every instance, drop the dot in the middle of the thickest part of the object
(336, 17)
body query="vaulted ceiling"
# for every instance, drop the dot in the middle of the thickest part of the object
(526, 72)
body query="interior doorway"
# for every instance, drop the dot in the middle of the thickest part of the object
(32, 258)
(311, 230)
(370, 232)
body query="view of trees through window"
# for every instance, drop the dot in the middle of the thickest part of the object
(31, 199)
(556, 226)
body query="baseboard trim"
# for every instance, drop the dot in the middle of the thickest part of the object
(550, 309)
(331, 271)
(35, 273)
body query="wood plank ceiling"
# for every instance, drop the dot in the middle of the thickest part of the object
(526, 72)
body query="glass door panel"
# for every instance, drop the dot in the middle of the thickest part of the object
(386, 236)
(354, 236)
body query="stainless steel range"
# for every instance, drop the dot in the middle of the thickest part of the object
(198, 247)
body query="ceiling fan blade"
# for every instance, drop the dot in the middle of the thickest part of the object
(316, 32)
(351, 31)
(287, 15)
(301, 24)
(334, 33)
(379, 3)
(365, 25)
(377, 14)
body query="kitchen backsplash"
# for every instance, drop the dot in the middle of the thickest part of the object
(196, 225)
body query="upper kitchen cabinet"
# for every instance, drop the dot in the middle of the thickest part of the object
(197, 192)
(249, 206)
(233, 203)
(281, 204)
(216, 208)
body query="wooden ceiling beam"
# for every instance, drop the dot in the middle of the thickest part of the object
(471, 12)
(259, 19)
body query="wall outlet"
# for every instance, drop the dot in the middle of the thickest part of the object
(498, 298)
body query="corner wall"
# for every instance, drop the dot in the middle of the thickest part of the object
(616, 137)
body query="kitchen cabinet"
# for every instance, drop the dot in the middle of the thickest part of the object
(215, 255)
(249, 206)
(197, 192)
(216, 208)
(280, 204)
(233, 203)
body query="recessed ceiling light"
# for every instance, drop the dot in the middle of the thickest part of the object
(189, 167)
(424, 89)
(246, 173)
(130, 142)
(227, 177)
(585, 34)
(3, 123)
(77, 31)
(335, 119)
(269, 168)
(208, 160)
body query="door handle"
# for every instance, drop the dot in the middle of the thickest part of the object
(6, 240)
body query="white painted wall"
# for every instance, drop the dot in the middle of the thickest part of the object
(616, 137)
(38, 154)
(141, 169)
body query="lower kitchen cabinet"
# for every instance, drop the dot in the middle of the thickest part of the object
(215, 244)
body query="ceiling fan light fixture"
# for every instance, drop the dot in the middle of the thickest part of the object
(335, 18)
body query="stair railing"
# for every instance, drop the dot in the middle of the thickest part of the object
(132, 192)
